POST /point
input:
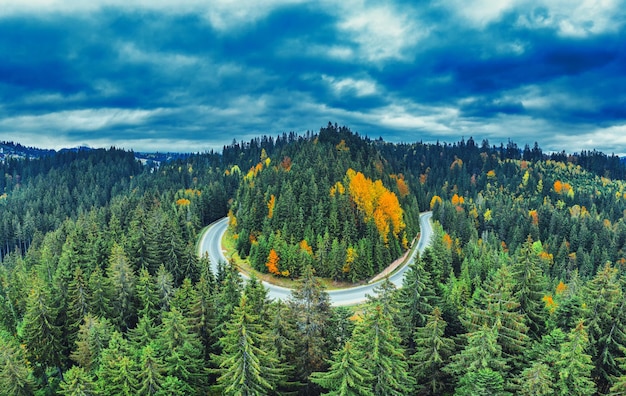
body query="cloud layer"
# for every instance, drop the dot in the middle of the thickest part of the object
(193, 77)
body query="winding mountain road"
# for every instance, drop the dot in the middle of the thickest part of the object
(211, 242)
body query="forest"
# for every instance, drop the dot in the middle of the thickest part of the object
(521, 291)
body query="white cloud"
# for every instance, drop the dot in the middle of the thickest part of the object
(356, 87)
(381, 32)
(85, 120)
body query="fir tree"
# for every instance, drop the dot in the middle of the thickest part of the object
(432, 351)
(379, 341)
(150, 372)
(78, 382)
(346, 376)
(311, 307)
(574, 365)
(16, 376)
(245, 368)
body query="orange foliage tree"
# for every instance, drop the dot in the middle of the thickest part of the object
(270, 206)
(272, 262)
(376, 203)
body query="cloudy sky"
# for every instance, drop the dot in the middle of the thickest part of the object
(190, 75)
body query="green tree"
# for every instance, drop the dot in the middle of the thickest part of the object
(150, 372)
(117, 374)
(574, 365)
(606, 318)
(529, 286)
(311, 307)
(78, 382)
(432, 352)
(379, 341)
(346, 376)
(415, 300)
(41, 335)
(536, 380)
(93, 337)
(123, 285)
(16, 375)
(482, 352)
(244, 367)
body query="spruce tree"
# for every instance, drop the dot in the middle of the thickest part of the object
(246, 365)
(150, 372)
(346, 376)
(415, 300)
(482, 352)
(529, 287)
(311, 307)
(379, 341)
(78, 382)
(16, 375)
(41, 335)
(574, 365)
(606, 318)
(117, 372)
(536, 380)
(432, 352)
(123, 285)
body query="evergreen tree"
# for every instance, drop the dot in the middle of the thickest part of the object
(147, 295)
(100, 294)
(41, 335)
(482, 352)
(379, 341)
(495, 306)
(606, 316)
(123, 285)
(311, 307)
(150, 372)
(92, 338)
(415, 300)
(346, 376)
(244, 367)
(536, 380)
(574, 365)
(16, 376)
(78, 382)
(117, 372)
(432, 351)
(529, 287)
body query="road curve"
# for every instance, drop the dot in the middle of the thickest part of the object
(211, 243)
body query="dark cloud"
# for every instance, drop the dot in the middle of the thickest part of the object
(153, 77)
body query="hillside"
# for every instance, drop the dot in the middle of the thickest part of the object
(522, 290)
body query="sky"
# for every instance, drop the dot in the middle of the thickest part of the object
(192, 76)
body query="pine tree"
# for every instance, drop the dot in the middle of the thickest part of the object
(311, 307)
(40, 333)
(606, 318)
(77, 382)
(182, 351)
(495, 306)
(529, 287)
(147, 295)
(432, 352)
(123, 285)
(415, 300)
(245, 368)
(482, 352)
(574, 365)
(100, 294)
(92, 338)
(536, 380)
(150, 372)
(346, 376)
(379, 341)
(16, 375)
(117, 371)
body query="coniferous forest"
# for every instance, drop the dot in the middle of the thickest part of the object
(521, 291)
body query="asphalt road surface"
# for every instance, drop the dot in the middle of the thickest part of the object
(211, 242)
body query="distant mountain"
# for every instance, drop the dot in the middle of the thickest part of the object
(16, 150)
